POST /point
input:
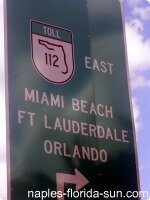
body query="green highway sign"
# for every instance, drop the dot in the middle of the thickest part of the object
(70, 131)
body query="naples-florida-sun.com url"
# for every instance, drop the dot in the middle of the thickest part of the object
(87, 194)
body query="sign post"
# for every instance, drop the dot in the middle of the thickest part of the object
(70, 124)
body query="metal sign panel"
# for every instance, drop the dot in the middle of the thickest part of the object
(70, 124)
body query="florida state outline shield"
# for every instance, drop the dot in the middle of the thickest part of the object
(52, 52)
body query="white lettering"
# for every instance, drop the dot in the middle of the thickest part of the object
(98, 65)
(91, 108)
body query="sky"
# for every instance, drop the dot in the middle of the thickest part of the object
(137, 24)
(137, 28)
